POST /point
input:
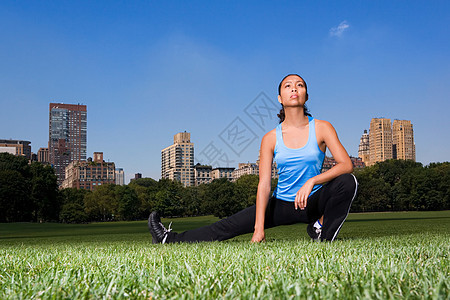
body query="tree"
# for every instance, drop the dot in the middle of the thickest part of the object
(44, 193)
(72, 209)
(168, 198)
(128, 203)
(17, 163)
(392, 170)
(145, 189)
(222, 198)
(194, 199)
(373, 193)
(101, 204)
(15, 202)
(442, 171)
(144, 182)
(246, 188)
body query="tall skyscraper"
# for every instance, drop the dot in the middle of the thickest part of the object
(177, 160)
(364, 148)
(67, 136)
(380, 140)
(403, 140)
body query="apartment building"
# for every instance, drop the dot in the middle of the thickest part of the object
(403, 140)
(380, 140)
(177, 160)
(89, 174)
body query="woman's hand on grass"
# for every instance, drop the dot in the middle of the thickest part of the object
(258, 237)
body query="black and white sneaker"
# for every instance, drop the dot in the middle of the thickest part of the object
(158, 231)
(314, 232)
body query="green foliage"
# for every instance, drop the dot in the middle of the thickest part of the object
(195, 199)
(222, 198)
(16, 163)
(168, 199)
(144, 182)
(403, 185)
(101, 204)
(15, 199)
(246, 188)
(44, 193)
(27, 192)
(72, 209)
(128, 203)
(145, 189)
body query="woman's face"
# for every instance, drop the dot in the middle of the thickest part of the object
(293, 91)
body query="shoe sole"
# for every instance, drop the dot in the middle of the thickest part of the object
(154, 241)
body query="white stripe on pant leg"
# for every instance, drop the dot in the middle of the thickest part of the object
(354, 195)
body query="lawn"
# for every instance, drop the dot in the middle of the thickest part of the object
(377, 255)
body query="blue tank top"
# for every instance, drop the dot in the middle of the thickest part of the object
(296, 166)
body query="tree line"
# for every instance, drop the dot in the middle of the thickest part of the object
(29, 192)
(399, 185)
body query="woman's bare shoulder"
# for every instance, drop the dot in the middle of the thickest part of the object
(324, 125)
(270, 138)
(271, 134)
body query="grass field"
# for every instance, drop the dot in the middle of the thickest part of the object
(377, 256)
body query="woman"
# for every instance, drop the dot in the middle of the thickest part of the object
(298, 145)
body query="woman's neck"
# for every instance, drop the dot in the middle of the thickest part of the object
(295, 117)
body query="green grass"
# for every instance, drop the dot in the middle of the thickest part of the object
(378, 255)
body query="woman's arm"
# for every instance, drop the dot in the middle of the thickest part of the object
(326, 137)
(265, 176)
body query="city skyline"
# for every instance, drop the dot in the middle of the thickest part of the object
(206, 72)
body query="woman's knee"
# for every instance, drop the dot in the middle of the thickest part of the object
(346, 181)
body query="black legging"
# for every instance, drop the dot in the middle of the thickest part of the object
(333, 201)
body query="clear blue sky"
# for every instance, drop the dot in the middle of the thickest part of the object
(149, 69)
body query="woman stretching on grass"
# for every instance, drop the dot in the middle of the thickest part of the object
(298, 145)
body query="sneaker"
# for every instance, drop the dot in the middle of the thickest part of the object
(158, 231)
(314, 232)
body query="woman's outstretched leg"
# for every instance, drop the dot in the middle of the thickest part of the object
(278, 212)
(237, 224)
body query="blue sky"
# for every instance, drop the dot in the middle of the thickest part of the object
(149, 69)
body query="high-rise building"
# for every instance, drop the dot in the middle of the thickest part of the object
(177, 160)
(403, 140)
(16, 147)
(67, 136)
(364, 148)
(42, 156)
(380, 140)
(89, 174)
(120, 176)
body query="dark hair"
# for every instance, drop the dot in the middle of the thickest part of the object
(281, 115)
